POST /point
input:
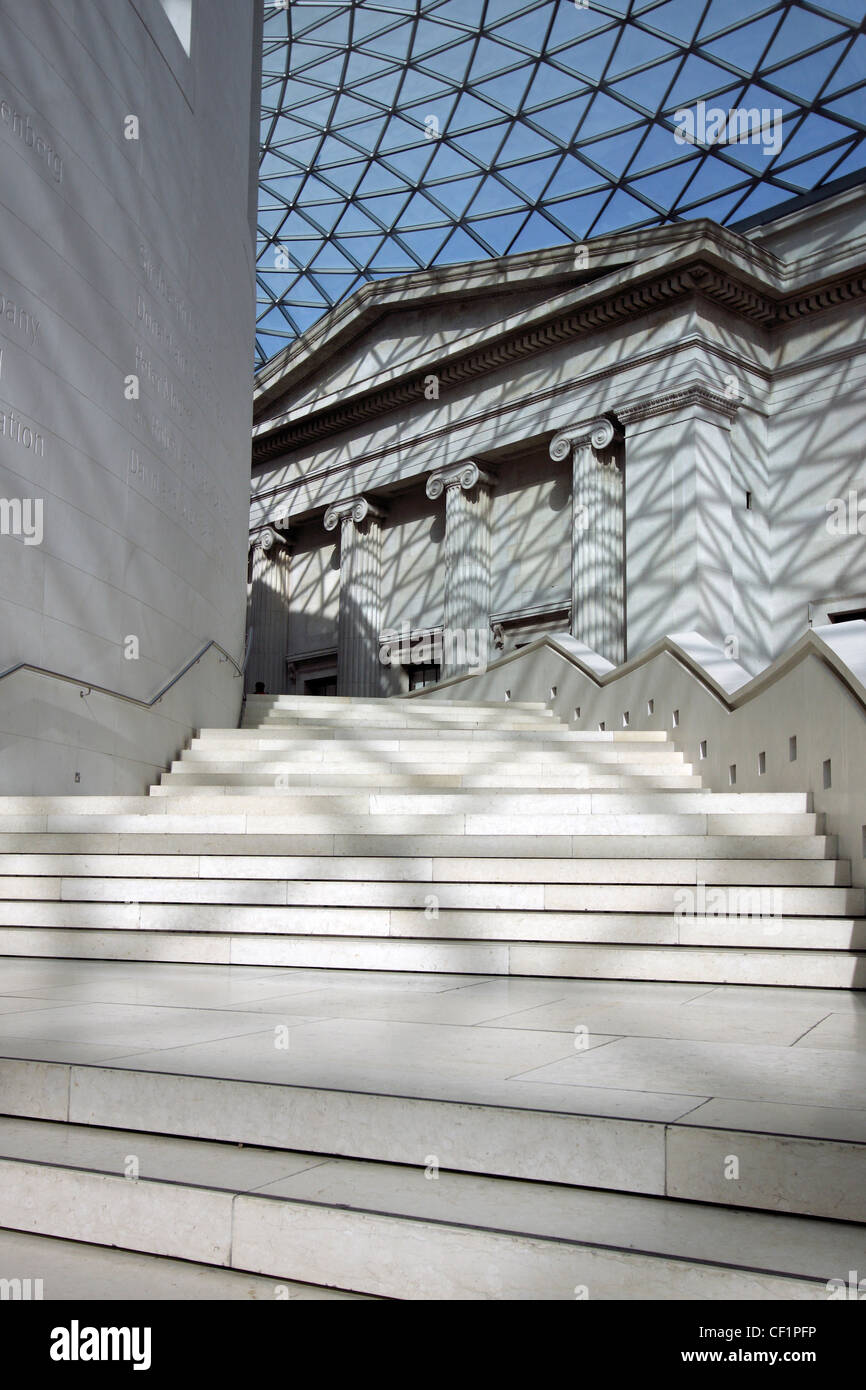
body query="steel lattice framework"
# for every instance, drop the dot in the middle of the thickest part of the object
(408, 133)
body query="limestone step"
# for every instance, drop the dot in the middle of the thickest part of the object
(232, 839)
(822, 873)
(569, 900)
(335, 703)
(361, 1225)
(456, 915)
(768, 963)
(184, 781)
(70, 1271)
(202, 816)
(795, 1158)
(425, 734)
(592, 755)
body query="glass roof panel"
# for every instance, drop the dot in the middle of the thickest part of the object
(532, 123)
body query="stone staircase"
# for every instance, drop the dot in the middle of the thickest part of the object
(468, 843)
(414, 836)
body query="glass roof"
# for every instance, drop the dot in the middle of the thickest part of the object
(410, 133)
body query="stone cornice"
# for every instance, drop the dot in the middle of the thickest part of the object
(354, 509)
(700, 278)
(466, 476)
(681, 398)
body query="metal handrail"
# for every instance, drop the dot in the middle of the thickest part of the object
(88, 688)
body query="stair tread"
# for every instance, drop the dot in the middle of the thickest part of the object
(794, 1246)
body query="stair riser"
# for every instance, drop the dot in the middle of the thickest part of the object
(684, 901)
(692, 964)
(558, 847)
(188, 780)
(758, 872)
(388, 1256)
(777, 1172)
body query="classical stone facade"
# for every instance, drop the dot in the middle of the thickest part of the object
(646, 438)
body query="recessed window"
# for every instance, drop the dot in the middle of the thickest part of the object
(675, 719)
(792, 749)
(702, 748)
(601, 726)
(650, 706)
(762, 764)
(180, 14)
(732, 775)
(748, 501)
(625, 719)
(577, 711)
(553, 692)
(828, 774)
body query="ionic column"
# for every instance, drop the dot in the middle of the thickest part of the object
(597, 535)
(269, 610)
(467, 563)
(359, 670)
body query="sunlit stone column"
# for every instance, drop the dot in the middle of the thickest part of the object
(467, 491)
(269, 610)
(597, 539)
(359, 670)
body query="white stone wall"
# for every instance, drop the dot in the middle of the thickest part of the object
(125, 251)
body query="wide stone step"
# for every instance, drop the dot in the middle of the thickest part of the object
(673, 1139)
(770, 963)
(240, 757)
(362, 1225)
(532, 833)
(184, 780)
(388, 756)
(160, 839)
(329, 703)
(823, 873)
(550, 801)
(70, 1271)
(688, 901)
(515, 913)
(559, 735)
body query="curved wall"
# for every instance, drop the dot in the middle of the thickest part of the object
(127, 175)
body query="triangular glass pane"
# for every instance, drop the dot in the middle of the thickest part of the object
(622, 211)
(805, 78)
(636, 47)
(800, 31)
(562, 120)
(810, 173)
(549, 83)
(664, 188)
(605, 116)
(578, 214)
(590, 57)
(455, 195)
(530, 179)
(499, 232)
(537, 234)
(458, 248)
(852, 67)
(649, 88)
(522, 143)
(743, 44)
(613, 154)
